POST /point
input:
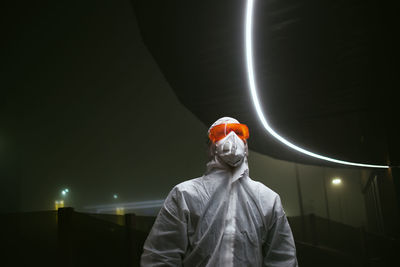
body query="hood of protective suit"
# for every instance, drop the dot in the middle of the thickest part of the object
(223, 218)
(231, 150)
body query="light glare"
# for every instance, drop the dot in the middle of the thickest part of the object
(58, 204)
(336, 181)
(140, 205)
(252, 86)
(119, 211)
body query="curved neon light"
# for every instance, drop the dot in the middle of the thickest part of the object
(253, 91)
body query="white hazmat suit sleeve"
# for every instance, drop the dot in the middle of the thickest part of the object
(279, 248)
(167, 241)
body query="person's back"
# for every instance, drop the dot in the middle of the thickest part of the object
(222, 218)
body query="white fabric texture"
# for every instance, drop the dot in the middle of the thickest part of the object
(223, 218)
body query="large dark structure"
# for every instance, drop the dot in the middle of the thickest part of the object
(325, 71)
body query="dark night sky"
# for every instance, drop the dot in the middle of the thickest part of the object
(87, 108)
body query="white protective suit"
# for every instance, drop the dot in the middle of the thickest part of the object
(223, 218)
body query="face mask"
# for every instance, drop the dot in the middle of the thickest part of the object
(231, 150)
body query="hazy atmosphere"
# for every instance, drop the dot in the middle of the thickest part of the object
(88, 109)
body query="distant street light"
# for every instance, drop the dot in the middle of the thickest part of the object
(115, 196)
(336, 181)
(58, 204)
(119, 210)
(65, 191)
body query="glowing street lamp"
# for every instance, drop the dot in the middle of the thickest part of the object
(336, 181)
(65, 192)
(115, 196)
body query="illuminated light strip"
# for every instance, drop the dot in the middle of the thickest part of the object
(253, 91)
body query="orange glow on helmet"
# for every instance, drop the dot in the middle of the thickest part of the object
(218, 132)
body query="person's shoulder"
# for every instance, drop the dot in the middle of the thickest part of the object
(262, 189)
(268, 199)
(188, 183)
(188, 186)
(185, 191)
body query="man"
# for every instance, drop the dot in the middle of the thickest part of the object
(222, 218)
